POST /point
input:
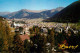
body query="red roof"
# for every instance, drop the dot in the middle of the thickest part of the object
(24, 37)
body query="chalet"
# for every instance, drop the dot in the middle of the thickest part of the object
(27, 30)
(59, 30)
(44, 30)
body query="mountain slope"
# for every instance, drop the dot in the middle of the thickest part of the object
(69, 14)
(24, 13)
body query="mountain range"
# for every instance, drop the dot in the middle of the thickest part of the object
(4, 13)
(31, 14)
(70, 13)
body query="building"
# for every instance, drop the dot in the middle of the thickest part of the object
(24, 37)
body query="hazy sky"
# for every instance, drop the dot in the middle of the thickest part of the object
(15, 5)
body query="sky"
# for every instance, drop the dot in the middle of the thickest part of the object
(15, 5)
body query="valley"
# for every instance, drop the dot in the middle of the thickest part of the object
(39, 26)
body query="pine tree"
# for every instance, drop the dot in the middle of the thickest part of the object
(18, 44)
(51, 39)
(27, 46)
(39, 42)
